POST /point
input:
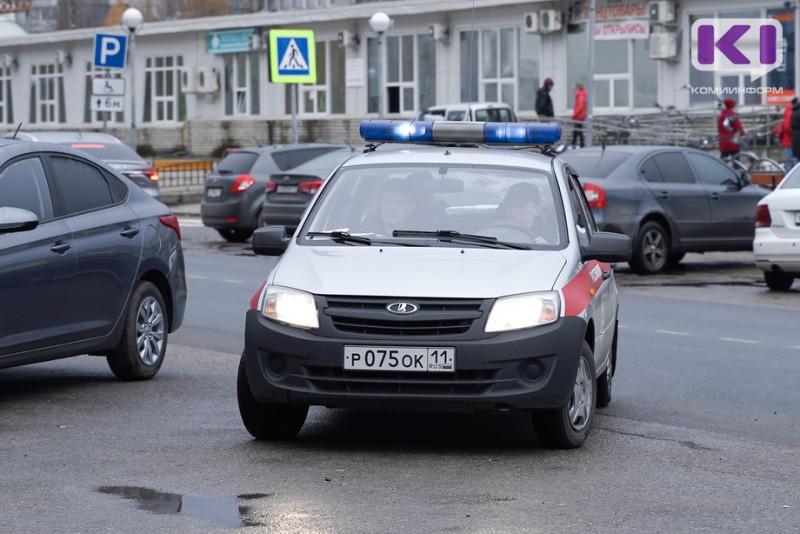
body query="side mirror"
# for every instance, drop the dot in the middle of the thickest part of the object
(270, 241)
(17, 220)
(607, 247)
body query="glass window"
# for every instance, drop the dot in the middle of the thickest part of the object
(163, 99)
(23, 185)
(650, 171)
(47, 98)
(6, 102)
(529, 70)
(241, 84)
(673, 168)
(784, 76)
(712, 171)
(372, 75)
(82, 186)
(239, 162)
(468, 49)
(426, 73)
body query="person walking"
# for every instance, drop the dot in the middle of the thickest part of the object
(544, 104)
(784, 131)
(730, 130)
(578, 114)
(794, 124)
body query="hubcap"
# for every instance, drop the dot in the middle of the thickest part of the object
(149, 331)
(580, 406)
(654, 249)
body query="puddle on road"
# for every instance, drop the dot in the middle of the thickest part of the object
(225, 511)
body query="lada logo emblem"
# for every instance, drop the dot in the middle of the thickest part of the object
(402, 308)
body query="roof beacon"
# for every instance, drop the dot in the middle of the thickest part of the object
(490, 133)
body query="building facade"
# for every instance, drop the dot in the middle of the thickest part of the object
(203, 84)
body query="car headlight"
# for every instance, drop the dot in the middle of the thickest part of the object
(523, 311)
(290, 306)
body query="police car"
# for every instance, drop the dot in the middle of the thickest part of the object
(462, 271)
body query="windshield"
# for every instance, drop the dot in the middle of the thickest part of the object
(446, 206)
(594, 163)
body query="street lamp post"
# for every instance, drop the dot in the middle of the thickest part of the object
(380, 22)
(132, 21)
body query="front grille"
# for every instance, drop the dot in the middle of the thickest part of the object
(435, 317)
(337, 380)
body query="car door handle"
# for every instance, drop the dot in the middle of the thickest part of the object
(664, 195)
(129, 231)
(61, 247)
(714, 196)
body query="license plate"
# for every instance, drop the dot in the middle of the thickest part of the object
(214, 192)
(286, 189)
(419, 359)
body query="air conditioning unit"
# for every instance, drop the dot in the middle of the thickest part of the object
(550, 20)
(664, 45)
(438, 32)
(661, 12)
(348, 38)
(532, 22)
(188, 80)
(207, 80)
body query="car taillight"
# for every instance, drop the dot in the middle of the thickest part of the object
(171, 221)
(271, 187)
(763, 219)
(309, 187)
(151, 174)
(243, 183)
(596, 195)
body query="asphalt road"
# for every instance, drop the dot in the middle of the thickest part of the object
(702, 434)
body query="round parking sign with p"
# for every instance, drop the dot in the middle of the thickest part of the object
(109, 51)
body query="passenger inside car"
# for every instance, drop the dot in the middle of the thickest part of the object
(396, 208)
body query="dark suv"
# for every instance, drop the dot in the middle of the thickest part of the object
(234, 192)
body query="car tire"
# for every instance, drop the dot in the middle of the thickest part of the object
(778, 280)
(267, 420)
(141, 350)
(568, 426)
(651, 251)
(235, 236)
(605, 381)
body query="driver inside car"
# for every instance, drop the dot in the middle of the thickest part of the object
(522, 207)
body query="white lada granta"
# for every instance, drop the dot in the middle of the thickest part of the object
(460, 271)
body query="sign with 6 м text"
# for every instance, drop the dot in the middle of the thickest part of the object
(737, 45)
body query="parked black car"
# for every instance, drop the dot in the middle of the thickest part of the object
(668, 200)
(105, 147)
(288, 193)
(89, 262)
(234, 191)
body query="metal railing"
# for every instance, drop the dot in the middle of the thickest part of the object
(183, 173)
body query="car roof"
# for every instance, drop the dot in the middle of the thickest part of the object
(16, 147)
(436, 155)
(56, 136)
(290, 146)
(463, 106)
(631, 149)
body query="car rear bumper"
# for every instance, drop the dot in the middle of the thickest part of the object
(771, 252)
(526, 369)
(231, 213)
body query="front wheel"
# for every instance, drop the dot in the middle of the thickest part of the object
(140, 352)
(267, 420)
(567, 427)
(778, 281)
(651, 249)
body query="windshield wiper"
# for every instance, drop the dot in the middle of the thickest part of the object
(453, 236)
(342, 237)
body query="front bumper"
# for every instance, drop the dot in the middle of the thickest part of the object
(493, 372)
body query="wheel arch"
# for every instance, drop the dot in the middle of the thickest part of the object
(158, 279)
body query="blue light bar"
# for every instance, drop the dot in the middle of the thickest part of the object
(490, 133)
(397, 131)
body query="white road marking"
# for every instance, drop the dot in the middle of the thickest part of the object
(672, 333)
(190, 223)
(735, 340)
(195, 277)
(232, 281)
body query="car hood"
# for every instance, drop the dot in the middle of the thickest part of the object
(442, 272)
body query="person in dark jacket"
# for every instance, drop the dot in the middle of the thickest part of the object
(544, 104)
(794, 122)
(730, 130)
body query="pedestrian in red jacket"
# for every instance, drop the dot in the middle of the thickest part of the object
(578, 113)
(784, 129)
(730, 130)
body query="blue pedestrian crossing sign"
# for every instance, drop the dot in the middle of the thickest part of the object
(292, 56)
(109, 51)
